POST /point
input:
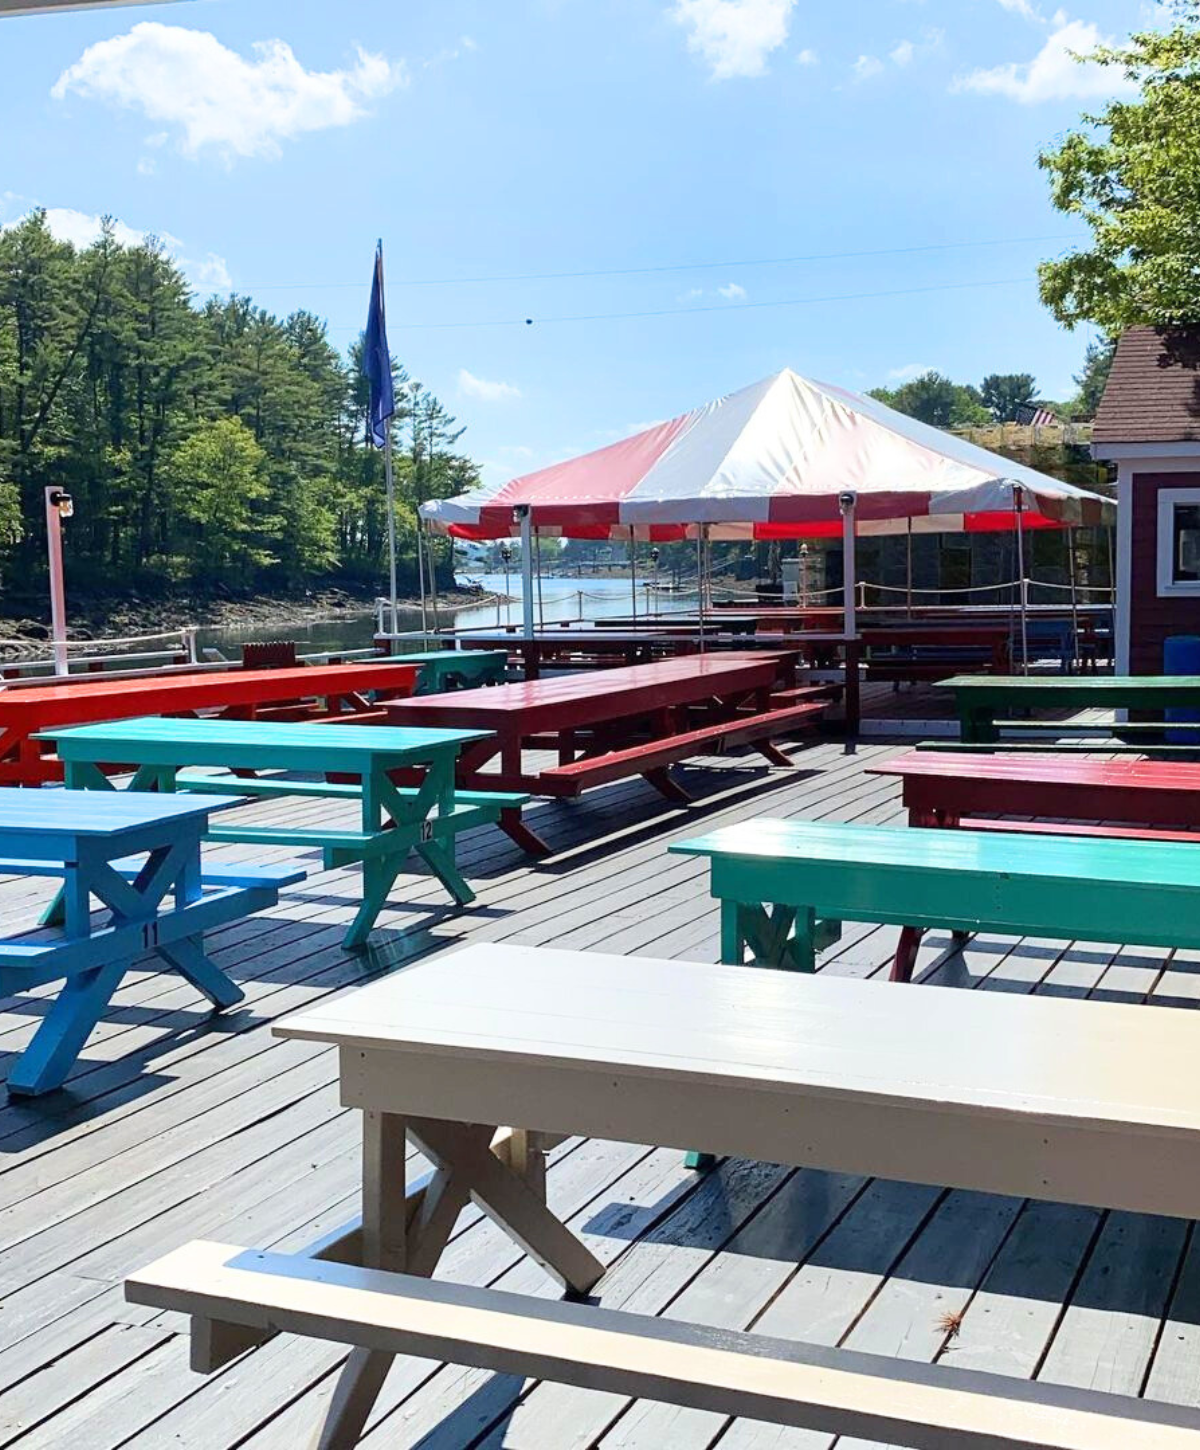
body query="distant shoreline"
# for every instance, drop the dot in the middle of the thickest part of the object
(123, 619)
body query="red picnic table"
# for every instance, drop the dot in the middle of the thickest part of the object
(948, 648)
(1141, 799)
(340, 690)
(589, 648)
(636, 720)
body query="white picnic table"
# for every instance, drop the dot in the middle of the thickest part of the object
(1082, 1102)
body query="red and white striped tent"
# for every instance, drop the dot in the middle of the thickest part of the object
(779, 459)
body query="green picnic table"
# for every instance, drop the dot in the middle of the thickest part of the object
(352, 762)
(986, 702)
(776, 880)
(449, 669)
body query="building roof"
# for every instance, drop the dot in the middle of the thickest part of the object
(1153, 392)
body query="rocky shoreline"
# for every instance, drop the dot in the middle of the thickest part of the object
(20, 636)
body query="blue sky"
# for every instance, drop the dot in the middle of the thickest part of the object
(717, 161)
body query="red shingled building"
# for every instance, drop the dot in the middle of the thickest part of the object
(1148, 424)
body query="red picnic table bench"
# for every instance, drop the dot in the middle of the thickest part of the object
(637, 720)
(333, 692)
(1153, 800)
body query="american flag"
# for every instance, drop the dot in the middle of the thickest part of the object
(1033, 415)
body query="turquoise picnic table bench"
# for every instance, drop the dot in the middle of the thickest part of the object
(449, 669)
(985, 704)
(139, 857)
(776, 880)
(349, 762)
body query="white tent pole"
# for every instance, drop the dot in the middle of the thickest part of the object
(633, 571)
(525, 517)
(1019, 510)
(908, 581)
(700, 580)
(537, 553)
(433, 597)
(1074, 600)
(420, 577)
(846, 502)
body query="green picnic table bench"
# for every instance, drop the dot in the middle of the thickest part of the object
(986, 703)
(450, 669)
(776, 880)
(393, 820)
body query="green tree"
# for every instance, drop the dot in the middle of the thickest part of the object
(1132, 174)
(219, 474)
(1005, 394)
(935, 399)
(1097, 364)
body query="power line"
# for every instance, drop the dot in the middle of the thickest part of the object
(687, 311)
(660, 269)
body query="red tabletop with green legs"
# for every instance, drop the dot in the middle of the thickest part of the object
(27, 713)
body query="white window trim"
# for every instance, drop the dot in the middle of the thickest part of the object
(1168, 586)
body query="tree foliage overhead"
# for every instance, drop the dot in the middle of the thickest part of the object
(1132, 173)
(203, 445)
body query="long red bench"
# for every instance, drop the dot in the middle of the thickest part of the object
(654, 755)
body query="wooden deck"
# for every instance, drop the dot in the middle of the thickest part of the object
(177, 1127)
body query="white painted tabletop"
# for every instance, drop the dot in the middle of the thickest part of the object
(1057, 1059)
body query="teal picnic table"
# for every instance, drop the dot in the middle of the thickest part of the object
(353, 762)
(777, 881)
(985, 703)
(139, 857)
(449, 669)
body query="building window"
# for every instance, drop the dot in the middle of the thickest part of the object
(1179, 541)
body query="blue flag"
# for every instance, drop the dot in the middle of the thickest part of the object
(377, 360)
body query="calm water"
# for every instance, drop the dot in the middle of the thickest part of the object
(587, 598)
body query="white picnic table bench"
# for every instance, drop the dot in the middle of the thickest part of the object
(1075, 1101)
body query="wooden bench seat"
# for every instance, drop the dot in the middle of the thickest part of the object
(834, 1391)
(652, 755)
(271, 786)
(237, 873)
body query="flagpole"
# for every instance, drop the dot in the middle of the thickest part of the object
(387, 460)
(391, 517)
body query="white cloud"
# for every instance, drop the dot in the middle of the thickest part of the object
(734, 37)
(1023, 7)
(691, 294)
(866, 67)
(472, 387)
(209, 273)
(908, 371)
(903, 53)
(732, 292)
(1053, 74)
(213, 99)
(806, 57)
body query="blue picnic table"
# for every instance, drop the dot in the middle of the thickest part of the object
(350, 762)
(139, 857)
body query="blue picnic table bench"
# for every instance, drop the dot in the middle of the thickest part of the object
(139, 857)
(349, 762)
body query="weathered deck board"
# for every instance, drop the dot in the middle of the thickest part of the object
(178, 1125)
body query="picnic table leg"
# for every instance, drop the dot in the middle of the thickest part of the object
(190, 960)
(378, 876)
(56, 1044)
(665, 783)
(906, 953)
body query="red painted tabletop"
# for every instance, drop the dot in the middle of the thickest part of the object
(1169, 775)
(609, 694)
(149, 695)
